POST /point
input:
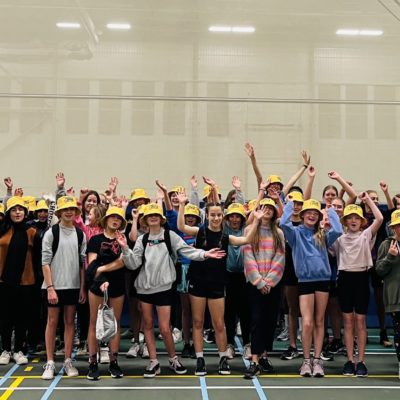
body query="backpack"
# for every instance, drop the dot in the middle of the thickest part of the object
(55, 229)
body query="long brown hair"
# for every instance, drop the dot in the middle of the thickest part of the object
(277, 240)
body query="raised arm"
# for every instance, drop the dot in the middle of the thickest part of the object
(298, 174)
(214, 193)
(385, 189)
(237, 186)
(133, 234)
(188, 230)
(194, 194)
(249, 149)
(250, 230)
(310, 183)
(167, 200)
(347, 188)
(378, 217)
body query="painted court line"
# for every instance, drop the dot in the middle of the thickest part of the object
(203, 386)
(8, 374)
(9, 391)
(255, 381)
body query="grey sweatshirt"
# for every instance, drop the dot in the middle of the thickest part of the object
(158, 274)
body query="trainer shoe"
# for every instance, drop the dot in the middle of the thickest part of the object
(5, 357)
(290, 353)
(49, 370)
(186, 351)
(115, 370)
(318, 368)
(104, 357)
(224, 368)
(176, 335)
(361, 370)
(151, 372)
(247, 351)
(176, 366)
(326, 355)
(209, 336)
(230, 352)
(133, 351)
(265, 365)
(82, 349)
(349, 369)
(252, 371)
(306, 368)
(238, 329)
(144, 351)
(69, 369)
(20, 358)
(93, 373)
(200, 367)
(336, 346)
(283, 335)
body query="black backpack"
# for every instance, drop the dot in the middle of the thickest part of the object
(55, 229)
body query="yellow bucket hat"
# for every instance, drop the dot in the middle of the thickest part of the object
(16, 201)
(41, 205)
(268, 202)
(311, 204)
(66, 202)
(139, 194)
(395, 218)
(207, 190)
(176, 189)
(296, 196)
(150, 209)
(30, 202)
(191, 209)
(275, 179)
(141, 209)
(353, 209)
(252, 204)
(1, 208)
(114, 211)
(236, 208)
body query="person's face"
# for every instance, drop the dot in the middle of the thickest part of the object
(103, 200)
(17, 214)
(174, 199)
(153, 220)
(91, 201)
(235, 220)
(190, 220)
(374, 197)
(42, 215)
(397, 202)
(297, 205)
(215, 216)
(138, 202)
(114, 222)
(396, 230)
(274, 188)
(310, 218)
(67, 214)
(269, 213)
(353, 223)
(329, 195)
(337, 205)
(92, 217)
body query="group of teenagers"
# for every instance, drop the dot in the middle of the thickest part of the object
(226, 261)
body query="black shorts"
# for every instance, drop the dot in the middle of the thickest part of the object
(353, 292)
(66, 297)
(115, 289)
(207, 290)
(289, 277)
(376, 280)
(312, 287)
(164, 298)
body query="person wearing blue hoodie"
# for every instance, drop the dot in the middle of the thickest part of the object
(309, 242)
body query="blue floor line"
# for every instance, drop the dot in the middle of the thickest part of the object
(8, 374)
(256, 382)
(203, 385)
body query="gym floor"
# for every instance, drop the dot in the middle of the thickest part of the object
(24, 382)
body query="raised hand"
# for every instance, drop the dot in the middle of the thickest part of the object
(124, 202)
(70, 192)
(193, 182)
(249, 149)
(273, 193)
(311, 172)
(60, 180)
(112, 186)
(121, 239)
(258, 214)
(264, 184)
(9, 183)
(393, 249)
(384, 186)
(19, 192)
(236, 182)
(306, 158)
(135, 214)
(182, 197)
(161, 186)
(160, 194)
(209, 181)
(333, 175)
(363, 196)
(84, 191)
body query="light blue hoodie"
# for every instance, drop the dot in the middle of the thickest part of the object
(311, 262)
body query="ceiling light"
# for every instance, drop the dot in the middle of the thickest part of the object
(119, 26)
(68, 25)
(359, 32)
(368, 32)
(243, 29)
(349, 32)
(220, 29)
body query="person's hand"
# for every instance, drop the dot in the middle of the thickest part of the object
(264, 184)
(112, 185)
(182, 198)
(236, 182)
(265, 289)
(84, 191)
(104, 286)
(363, 196)
(215, 253)
(161, 186)
(393, 249)
(258, 214)
(333, 175)
(273, 193)
(121, 239)
(311, 172)
(82, 296)
(249, 149)
(19, 192)
(209, 181)
(60, 180)
(8, 182)
(124, 202)
(116, 201)
(306, 158)
(384, 186)
(135, 214)
(193, 182)
(52, 297)
(70, 192)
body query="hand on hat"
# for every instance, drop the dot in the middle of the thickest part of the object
(393, 249)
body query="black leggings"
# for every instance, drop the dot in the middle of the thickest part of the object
(396, 329)
(15, 313)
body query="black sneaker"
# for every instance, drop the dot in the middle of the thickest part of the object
(361, 370)
(266, 365)
(252, 371)
(290, 353)
(200, 367)
(186, 351)
(93, 373)
(115, 370)
(349, 369)
(176, 366)
(224, 368)
(209, 336)
(336, 346)
(152, 372)
(326, 355)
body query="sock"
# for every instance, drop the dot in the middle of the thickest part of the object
(153, 363)
(200, 354)
(113, 356)
(286, 318)
(222, 354)
(93, 358)
(175, 357)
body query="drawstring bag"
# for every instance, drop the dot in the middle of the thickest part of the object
(106, 324)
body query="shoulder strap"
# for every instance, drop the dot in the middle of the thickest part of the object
(55, 229)
(80, 234)
(167, 239)
(144, 241)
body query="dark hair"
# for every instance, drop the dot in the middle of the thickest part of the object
(7, 223)
(326, 188)
(228, 201)
(396, 200)
(295, 189)
(90, 192)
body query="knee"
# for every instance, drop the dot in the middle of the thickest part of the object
(198, 324)
(148, 324)
(164, 330)
(219, 325)
(307, 324)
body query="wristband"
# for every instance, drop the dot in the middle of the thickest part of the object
(305, 166)
(48, 287)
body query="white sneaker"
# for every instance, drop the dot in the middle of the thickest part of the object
(177, 335)
(20, 358)
(299, 333)
(144, 351)
(69, 369)
(247, 351)
(60, 352)
(5, 357)
(141, 337)
(283, 335)
(82, 350)
(49, 370)
(230, 352)
(104, 357)
(133, 351)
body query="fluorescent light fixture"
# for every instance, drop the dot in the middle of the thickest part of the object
(359, 32)
(220, 29)
(243, 29)
(119, 26)
(68, 25)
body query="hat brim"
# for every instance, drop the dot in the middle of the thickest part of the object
(104, 220)
(143, 219)
(57, 212)
(364, 220)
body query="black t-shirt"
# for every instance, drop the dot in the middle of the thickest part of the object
(211, 270)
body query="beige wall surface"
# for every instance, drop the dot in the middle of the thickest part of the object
(291, 85)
